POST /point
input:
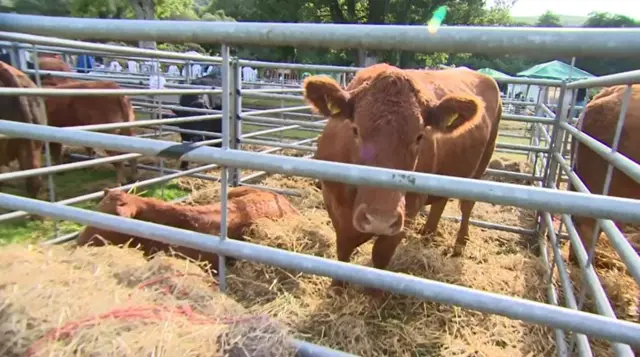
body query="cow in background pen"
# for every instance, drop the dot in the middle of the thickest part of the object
(23, 109)
(67, 111)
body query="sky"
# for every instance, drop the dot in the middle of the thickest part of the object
(576, 7)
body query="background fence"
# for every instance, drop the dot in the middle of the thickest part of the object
(262, 119)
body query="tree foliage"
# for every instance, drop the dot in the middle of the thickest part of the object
(406, 12)
(549, 19)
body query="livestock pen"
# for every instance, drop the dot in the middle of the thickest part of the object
(404, 325)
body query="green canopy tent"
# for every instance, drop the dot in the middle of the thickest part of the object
(493, 73)
(555, 70)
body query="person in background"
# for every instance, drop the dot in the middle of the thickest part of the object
(85, 63)
(173, 71)
(115, 66)
(248, 74)
(132, 66)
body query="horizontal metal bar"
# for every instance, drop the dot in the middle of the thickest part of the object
(496, 226)
(622, 209)
(527, 118)
(176, 107)
(513, 175)
(297, 66)
(274, 96)
(604, 43)
(50, 39)
(306, 349)
(301, 123)
(527, 148)
(271, 90)
(148, 122)
(57, 92)
(280, 110)
(532, 81)
(630, 77)
(65, 167)
(514, 308)
(278, 144)
(619, 161)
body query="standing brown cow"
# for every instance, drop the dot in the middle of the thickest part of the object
(443, 122)
(24, 109)
(599, 121)
(65, 111)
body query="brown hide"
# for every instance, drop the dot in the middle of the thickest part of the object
(24, 109)
(385, 118)
(245, 206)
(599, 121)
(53, 64)
(66, 111)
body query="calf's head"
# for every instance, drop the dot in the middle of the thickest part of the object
(119, 203)
(389, 113)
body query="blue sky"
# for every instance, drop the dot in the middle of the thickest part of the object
(629, 8)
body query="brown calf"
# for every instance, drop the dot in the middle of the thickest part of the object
(24, 109)
(599, 121)
(245, 206)
(88, 110)
(443, 122)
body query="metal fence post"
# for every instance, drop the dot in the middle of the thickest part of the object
(236, 115)
(224, 184)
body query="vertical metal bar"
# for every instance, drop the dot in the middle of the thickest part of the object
(47, 147)
(224, 171)
(607, 181)
(236, 129)
(552, 297)
(584, 349)
(158, 101)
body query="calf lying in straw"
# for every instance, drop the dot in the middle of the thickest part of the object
(245, 206)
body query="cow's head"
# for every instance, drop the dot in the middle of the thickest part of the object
(119, 203)
(389, 112)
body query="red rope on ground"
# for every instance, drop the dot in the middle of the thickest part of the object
(137, 313)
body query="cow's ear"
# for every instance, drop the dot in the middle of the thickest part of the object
(327, 97)
(452, 112)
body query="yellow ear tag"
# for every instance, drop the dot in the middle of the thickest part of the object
(451, 119)
(333, 108)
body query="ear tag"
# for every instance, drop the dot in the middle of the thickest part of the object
(451, 119)
(332, 107)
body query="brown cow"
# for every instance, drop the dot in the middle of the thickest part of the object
(65, 111)
(599, 121)
(24, 109)
(443, 122)
(53, 64)
(245, 206)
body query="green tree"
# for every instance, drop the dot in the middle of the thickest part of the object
(549, 19)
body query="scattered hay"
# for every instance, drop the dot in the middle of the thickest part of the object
(110, 301)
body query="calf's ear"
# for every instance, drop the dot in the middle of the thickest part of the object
(453, 112)
(327, 97)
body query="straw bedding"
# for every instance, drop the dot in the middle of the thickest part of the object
(110, 301)
(494, 261)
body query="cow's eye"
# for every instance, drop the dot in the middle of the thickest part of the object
(355, 130)
(419, 138)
